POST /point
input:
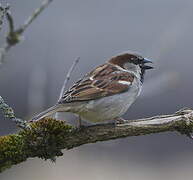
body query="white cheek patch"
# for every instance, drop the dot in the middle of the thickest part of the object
(124, 82)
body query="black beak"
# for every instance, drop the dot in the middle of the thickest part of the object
(145, 60)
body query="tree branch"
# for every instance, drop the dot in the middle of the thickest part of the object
(47, 137)
(15, 35)
(9, 113)
(34, 15)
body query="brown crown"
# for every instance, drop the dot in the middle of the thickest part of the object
(120, 60)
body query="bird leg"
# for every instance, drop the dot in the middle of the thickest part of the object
(79, 122)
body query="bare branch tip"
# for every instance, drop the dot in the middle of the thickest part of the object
(68, 76)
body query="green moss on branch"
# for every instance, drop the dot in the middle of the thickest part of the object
(42, 140)
(47, 137)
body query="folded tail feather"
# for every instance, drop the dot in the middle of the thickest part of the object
(46, 113)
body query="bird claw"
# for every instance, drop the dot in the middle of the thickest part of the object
(187, 118)
(186, 115)
(120, 121)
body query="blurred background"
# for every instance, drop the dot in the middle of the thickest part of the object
(35, 69)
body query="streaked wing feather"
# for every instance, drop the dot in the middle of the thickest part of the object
(103, 81)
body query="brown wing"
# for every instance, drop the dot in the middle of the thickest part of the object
(105, 80)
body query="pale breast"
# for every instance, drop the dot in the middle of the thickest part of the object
(111, 107)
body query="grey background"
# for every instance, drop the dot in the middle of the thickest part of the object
(34, 72)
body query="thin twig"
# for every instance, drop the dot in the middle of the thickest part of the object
(15, 35)
(10, 21)
(1, 16)
(3, 11)
(68, 76)
(12, 38)
(35, 14)
(66, 80)
(3, 51)
(9, 113)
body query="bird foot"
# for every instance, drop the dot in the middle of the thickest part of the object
(186, 114)
(120, 121)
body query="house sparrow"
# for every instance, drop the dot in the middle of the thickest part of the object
(105, 93)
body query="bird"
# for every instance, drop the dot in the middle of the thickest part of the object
(106, 92)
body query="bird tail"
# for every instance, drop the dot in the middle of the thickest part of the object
(46, 113)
